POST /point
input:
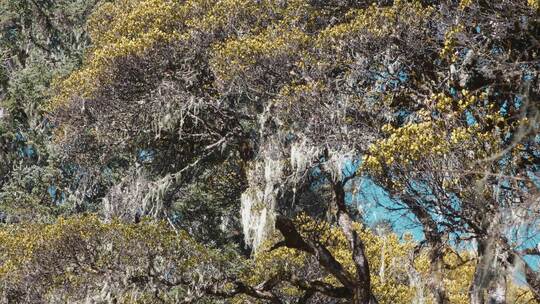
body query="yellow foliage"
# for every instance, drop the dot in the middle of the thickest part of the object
(534, 4)
(389, 259)
(378, 21)
(443, 128)
(237, 55)
(406, 144)
(458, 276)
(133, 27)
(398, 274)
(465, 3)
(119, 29)
(49, 249)
(241, 33)
(520, 294)
(450, 42)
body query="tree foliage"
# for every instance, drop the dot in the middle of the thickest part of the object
(220, 145)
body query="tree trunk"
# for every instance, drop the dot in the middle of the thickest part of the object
(531, 275)
(362, 293)
(497, 292)
(435, 241)
(360, 297)
(476, 296)
(483, 274)
(436, 282)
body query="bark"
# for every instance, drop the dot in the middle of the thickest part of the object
(293, 239)
(358, 286)
(320, 287)
(483, 274)
(531, 276)
(497, 292)
(476, 294)
(436, 281)
(362, 293)
(263, 291)
(434, 239)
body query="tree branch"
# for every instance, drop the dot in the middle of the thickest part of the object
(293, 239)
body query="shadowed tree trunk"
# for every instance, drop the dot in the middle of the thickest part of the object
(484, 274)
(357, 286)
(362, 293)
(436, 254)
(497, 292)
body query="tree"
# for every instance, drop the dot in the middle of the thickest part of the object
(260, 116)
(82, 259)
(40, 40)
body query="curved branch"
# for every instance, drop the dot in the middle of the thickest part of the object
(321, 287)
(293, 239)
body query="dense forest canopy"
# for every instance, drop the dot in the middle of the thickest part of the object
(204, 151)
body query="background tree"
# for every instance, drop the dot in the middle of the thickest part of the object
(40, 40)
